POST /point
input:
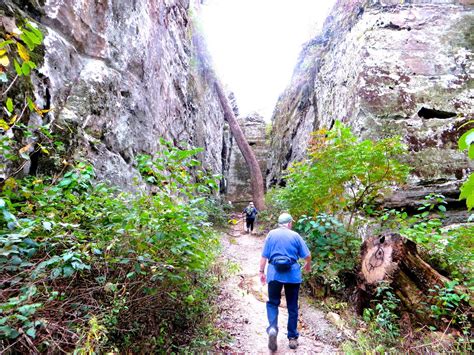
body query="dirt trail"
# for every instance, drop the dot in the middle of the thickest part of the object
(242, 305)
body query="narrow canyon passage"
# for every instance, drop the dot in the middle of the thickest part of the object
(242, 304)
(125, 145)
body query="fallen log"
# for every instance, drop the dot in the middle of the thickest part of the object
(395, 260)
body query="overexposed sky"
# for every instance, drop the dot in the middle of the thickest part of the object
(255, 44)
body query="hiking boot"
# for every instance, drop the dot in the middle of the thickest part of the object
(272, 339)
(293, 344)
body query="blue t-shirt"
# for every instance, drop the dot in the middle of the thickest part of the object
(284, 242)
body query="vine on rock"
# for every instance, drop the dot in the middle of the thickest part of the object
(20, 136)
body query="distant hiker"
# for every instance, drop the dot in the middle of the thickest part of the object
(282, 249)
(250, 213)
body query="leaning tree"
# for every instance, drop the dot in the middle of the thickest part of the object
(256, 178)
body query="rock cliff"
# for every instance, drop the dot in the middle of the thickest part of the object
(120, 74)
(386, 68)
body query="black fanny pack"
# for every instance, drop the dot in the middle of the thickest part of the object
(282, 263)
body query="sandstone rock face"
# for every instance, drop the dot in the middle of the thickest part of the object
(386, 68)
(238, 183)
(121, 74)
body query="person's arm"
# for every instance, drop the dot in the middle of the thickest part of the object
(305, 254)
(263, 263)
(307, 264)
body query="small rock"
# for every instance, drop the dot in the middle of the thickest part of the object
(335, 319)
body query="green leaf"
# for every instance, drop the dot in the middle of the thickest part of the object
(35, 31)
(31, 64)
(17, 67)
(29, 309)
(25, 68)
(466, 139)
(442, 208)
(32, 37)
(8, 216)
(5, 43)
(31, 104)
(467, 192)
(189, 299)
(22, 318)
(15, 260)
(9, 105)
(9, 332)
(471, 151)
(55, 273)
(28, 41)
(31, 332)
(65, 182)
(68, 271)
(68, 256)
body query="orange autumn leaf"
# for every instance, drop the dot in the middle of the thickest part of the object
(26, 148)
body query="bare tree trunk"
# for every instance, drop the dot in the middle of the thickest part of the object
(256, 178)
(394, 259)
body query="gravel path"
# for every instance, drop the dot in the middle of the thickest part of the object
(242, 305)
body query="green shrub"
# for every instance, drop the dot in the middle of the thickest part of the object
(84, 265)
(447, 306)
(381, 333)
(383, 317)
(457, 257)
(342, 174)
(268, 218)
(449, 250)
(334, 250)
(218, 211)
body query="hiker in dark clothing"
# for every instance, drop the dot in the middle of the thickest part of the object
(250, 213)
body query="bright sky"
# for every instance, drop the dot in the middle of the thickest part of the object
(255, 44)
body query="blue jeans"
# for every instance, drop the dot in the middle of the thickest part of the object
(274, 297)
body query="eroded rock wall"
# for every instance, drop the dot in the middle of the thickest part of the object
(238, 183)
(386, 68)
(120, 74)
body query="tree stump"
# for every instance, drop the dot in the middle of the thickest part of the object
(395, 260)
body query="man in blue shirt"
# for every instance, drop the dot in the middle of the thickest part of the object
(282, 249)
